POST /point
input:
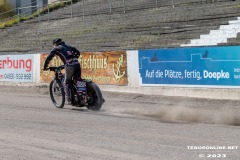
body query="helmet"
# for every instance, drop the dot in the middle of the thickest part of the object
(57, 41)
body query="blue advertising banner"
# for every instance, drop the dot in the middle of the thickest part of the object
(208, 66)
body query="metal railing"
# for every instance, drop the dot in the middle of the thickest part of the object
(56, 2)
(19, 13)
(24, 6)
(17, 10)
(110, 7)
(85, 7)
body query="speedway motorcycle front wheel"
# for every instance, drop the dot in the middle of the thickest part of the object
(57, 93)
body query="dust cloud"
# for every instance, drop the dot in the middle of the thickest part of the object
(185, 114)
(175, 109)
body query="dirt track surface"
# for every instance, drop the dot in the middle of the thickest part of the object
(130, 126)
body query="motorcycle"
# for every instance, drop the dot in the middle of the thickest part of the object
(83, 92)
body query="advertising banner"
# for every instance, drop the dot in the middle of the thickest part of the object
(100, 67)
(208, 66)
(16, 68)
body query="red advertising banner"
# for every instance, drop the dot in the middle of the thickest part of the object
(16, 68)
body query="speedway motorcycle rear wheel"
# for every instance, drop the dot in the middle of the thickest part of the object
(95, 100)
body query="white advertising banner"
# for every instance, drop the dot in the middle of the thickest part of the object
(16, 68)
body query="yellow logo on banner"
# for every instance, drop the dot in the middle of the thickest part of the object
(118, 75)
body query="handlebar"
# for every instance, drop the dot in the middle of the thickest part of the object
(55, 68)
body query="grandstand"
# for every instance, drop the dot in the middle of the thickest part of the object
(100, 25)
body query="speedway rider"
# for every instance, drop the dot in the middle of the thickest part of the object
(69, 56)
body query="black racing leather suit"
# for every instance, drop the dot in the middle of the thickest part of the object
(69, 56)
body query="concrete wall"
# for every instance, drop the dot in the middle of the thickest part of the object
(135, 87)
(12, 3)
(26, 3)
